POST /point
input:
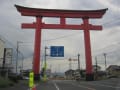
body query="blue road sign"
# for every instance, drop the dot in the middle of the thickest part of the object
(57, 51)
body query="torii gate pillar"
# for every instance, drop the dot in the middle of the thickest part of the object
(89, 72)
(62, 14)
(37, 48)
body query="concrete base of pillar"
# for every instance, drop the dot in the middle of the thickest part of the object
(37, 77)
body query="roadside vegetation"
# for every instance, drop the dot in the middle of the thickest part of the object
(5, 82)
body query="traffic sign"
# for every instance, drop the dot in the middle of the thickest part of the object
(57, 51)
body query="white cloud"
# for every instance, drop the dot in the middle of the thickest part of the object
(109, 4)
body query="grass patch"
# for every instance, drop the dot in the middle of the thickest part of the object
(5, 82)
(25, 82)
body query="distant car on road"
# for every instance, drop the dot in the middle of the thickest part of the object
(25, 78)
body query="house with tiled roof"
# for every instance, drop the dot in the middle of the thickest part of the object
(113, 70)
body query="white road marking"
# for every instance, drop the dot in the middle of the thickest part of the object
(56, 86)
(107, 83)
(103, 85)
(83, 87)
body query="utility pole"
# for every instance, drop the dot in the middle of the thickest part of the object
(17, 56)
(96, 68)
(50, 70)
(22, 60)
(4, 59)
(45, 65)
(96, 64)
(79, 61)
(18, 42)
(70, 66)
(105, 61)
(46, 55)
(59, 67)
(3, 64)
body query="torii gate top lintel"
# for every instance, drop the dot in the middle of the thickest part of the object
(27, 11)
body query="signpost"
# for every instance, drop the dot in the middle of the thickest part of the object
(57, 51)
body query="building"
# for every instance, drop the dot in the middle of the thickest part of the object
(69, 74)
(113, 70)
(5, 59)
(96, 68)
(75, 74)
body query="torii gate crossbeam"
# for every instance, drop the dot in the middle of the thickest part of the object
(62, 14)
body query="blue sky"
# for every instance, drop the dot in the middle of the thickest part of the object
(105, 41)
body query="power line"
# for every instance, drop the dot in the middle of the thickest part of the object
(65, 36)
(111, 21)
(62, 58)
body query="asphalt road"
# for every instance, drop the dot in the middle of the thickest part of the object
(111, 84)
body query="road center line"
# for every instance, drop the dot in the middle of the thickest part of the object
(56, 86)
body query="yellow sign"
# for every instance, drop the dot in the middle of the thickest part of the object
(31, 79)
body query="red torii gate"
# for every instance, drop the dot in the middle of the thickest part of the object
(62, 14)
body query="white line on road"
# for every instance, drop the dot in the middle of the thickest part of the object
(83, 87)
(56, 86)
(103, 85)
(107, 83)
